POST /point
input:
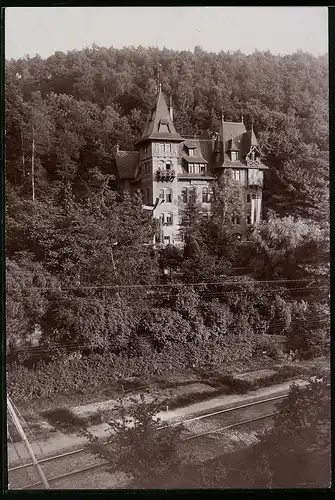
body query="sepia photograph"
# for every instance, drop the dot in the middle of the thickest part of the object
(167, 248)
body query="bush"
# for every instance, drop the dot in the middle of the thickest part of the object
(111, 372)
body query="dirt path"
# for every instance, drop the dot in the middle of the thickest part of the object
(60, 443)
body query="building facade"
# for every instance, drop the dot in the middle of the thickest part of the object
(172, 171)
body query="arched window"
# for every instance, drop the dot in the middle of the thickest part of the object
(205, 195)
(169, 219)
(211, 194)
(253, 196)
(168, 196)
(192, 195)
(168, 165)
(161, 194)
(161, 218)
(184, 195)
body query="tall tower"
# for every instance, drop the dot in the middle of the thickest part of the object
(159, 153)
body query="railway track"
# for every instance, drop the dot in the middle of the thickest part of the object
(196, 429)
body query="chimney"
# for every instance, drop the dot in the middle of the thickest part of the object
(171, 107)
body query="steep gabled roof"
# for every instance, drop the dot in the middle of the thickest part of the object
(126, 163)
(234, 144)
(159, 125)
(231, 129)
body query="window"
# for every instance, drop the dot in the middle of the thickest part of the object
(161, 218)
(234, 155)
(190, 152)
(145, 150)
(168, 166)
(248, 198)
(191, 168)
(169, 219)
(236, 220)
(168, 197)
(161, 194)
(248, 219)
(204, 195)
(166, 240)
(236, 175)
(202, 169)
(192, 195)
(160, 148)
(253, 197)
(184, 195)
(211, 194)
(168, 148)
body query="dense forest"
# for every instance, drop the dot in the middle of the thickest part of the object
(76, 260)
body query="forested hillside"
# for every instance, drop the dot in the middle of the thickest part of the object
(68, 233)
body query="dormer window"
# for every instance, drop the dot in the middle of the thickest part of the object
(234, 155)
(164, 126)
(191, 152)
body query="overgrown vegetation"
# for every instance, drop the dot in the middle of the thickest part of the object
(78, 260)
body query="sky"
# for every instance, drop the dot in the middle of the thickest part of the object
(282, 30)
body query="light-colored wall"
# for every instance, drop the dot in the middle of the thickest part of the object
(158, 160)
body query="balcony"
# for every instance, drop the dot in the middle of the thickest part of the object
(164, 175)
(255, 177)
(253, 163)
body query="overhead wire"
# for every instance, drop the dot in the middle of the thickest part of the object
(27, 426)
(275, 327)
(165, 285)
(24, 466)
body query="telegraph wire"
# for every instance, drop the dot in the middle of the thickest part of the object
(28, 427)
(278, 327)
(169, 285)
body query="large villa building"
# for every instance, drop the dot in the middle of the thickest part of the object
(171, 170)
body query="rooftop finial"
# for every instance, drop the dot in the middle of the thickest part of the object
(159, 87)
(242, 118)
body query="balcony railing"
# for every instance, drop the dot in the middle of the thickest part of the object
(253, 163)
(163, 175)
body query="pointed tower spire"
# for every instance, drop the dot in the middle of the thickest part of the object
(242, 118)
(160, 124)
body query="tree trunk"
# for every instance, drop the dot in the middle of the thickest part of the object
(23, 156)
(33, 166)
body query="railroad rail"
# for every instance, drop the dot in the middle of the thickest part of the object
(184, 439)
